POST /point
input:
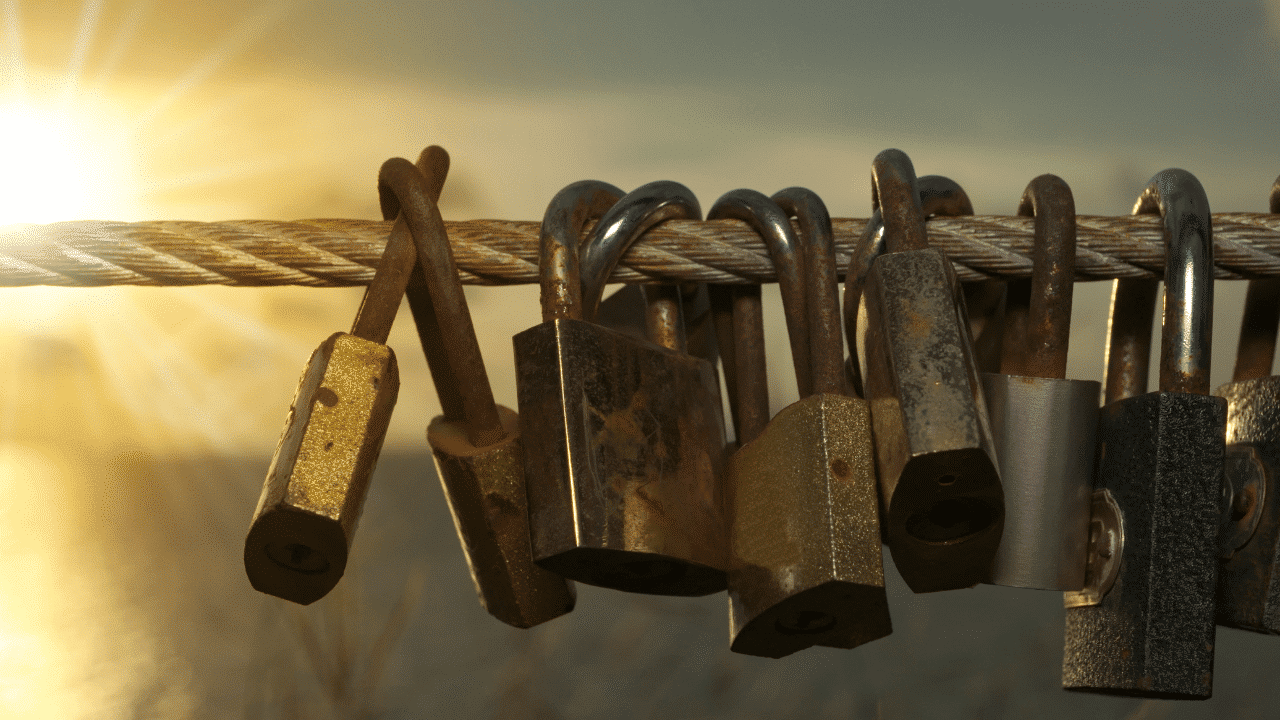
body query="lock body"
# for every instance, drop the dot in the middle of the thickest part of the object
(805, 564)
(485, 488)
(315, 489)
(1160, 457)
(943, 506)
(1045, 432)
(1248, 582)
(624, 489)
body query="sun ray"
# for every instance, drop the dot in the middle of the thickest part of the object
(244, 33)
(121, 40)
(246, 169)
(15, 62)
(89, 14)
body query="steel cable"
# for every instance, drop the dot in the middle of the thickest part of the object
(336, 252)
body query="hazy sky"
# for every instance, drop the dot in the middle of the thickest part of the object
(136, 424)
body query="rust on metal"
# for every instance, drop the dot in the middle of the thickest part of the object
(1038, 313)
(765, 217)
(824, 341)
(1187, 326)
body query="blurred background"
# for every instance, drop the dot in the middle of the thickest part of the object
(136, 424)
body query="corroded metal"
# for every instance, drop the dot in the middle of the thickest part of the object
(1161, 457)
(306, 517)
(943, 506)
(805, 561)
(938, 196)
(315, 489)
(766, 218)
(479, 456)
(1249, 579)
(624, 439)
(1044, 425)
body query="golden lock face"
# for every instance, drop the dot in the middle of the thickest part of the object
(311, 502)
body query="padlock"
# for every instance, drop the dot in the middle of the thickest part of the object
(770, 222)
(1143, 624)
(624, 439)
(1249, 542)
(942, 503)
(938, 196)
(311, 501)
(478, 453)
(805, 561)
(1045, 426)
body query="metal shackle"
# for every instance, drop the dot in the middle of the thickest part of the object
(769, 221)
(938, 196)
(1187, 328)
(402, 188)
(1044, 425)
(1257, 349)
(559, 267)
(893, 186)
(1044, 324)
(826, 348)
(627, 220)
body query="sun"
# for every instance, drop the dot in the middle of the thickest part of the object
(67, 159)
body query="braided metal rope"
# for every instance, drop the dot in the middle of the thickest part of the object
(330, 253)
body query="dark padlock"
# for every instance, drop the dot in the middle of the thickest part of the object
(311, 501)
(942, 503)
(477, 446)
(1154, 535)
(1249, 578)
(938, 196)
(624, 439)
(1045, 426)
(805, 560)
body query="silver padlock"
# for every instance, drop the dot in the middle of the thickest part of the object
(1045, 427)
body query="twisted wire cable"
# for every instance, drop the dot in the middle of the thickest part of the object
(336, 252)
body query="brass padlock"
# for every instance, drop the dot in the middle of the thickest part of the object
(624, 439)
(942, 501)
(477, 447)
(1045, 426)
(1248, 595)
(1143, 624)
(311, 501)
(805, 561)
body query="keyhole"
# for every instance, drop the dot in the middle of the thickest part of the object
(805, 622)
(298, 557)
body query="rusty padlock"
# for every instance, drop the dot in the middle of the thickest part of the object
(1249, 541)
(805, 560)
(314, 492)
(478, 451)
(942, 501)
(1045, 426)
(1144, 622)
(938, 196)
(624, 439)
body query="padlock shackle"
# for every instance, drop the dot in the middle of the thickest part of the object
(772, 224)
(894, 192)
(817, 243)
(558, 262)
(402, 188)
(629, 218)
(385, 291)
(1186, 330)
(1041, 328)
(939, 195)
(1257, 349)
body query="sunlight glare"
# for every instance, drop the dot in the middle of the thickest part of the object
(80, 164)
